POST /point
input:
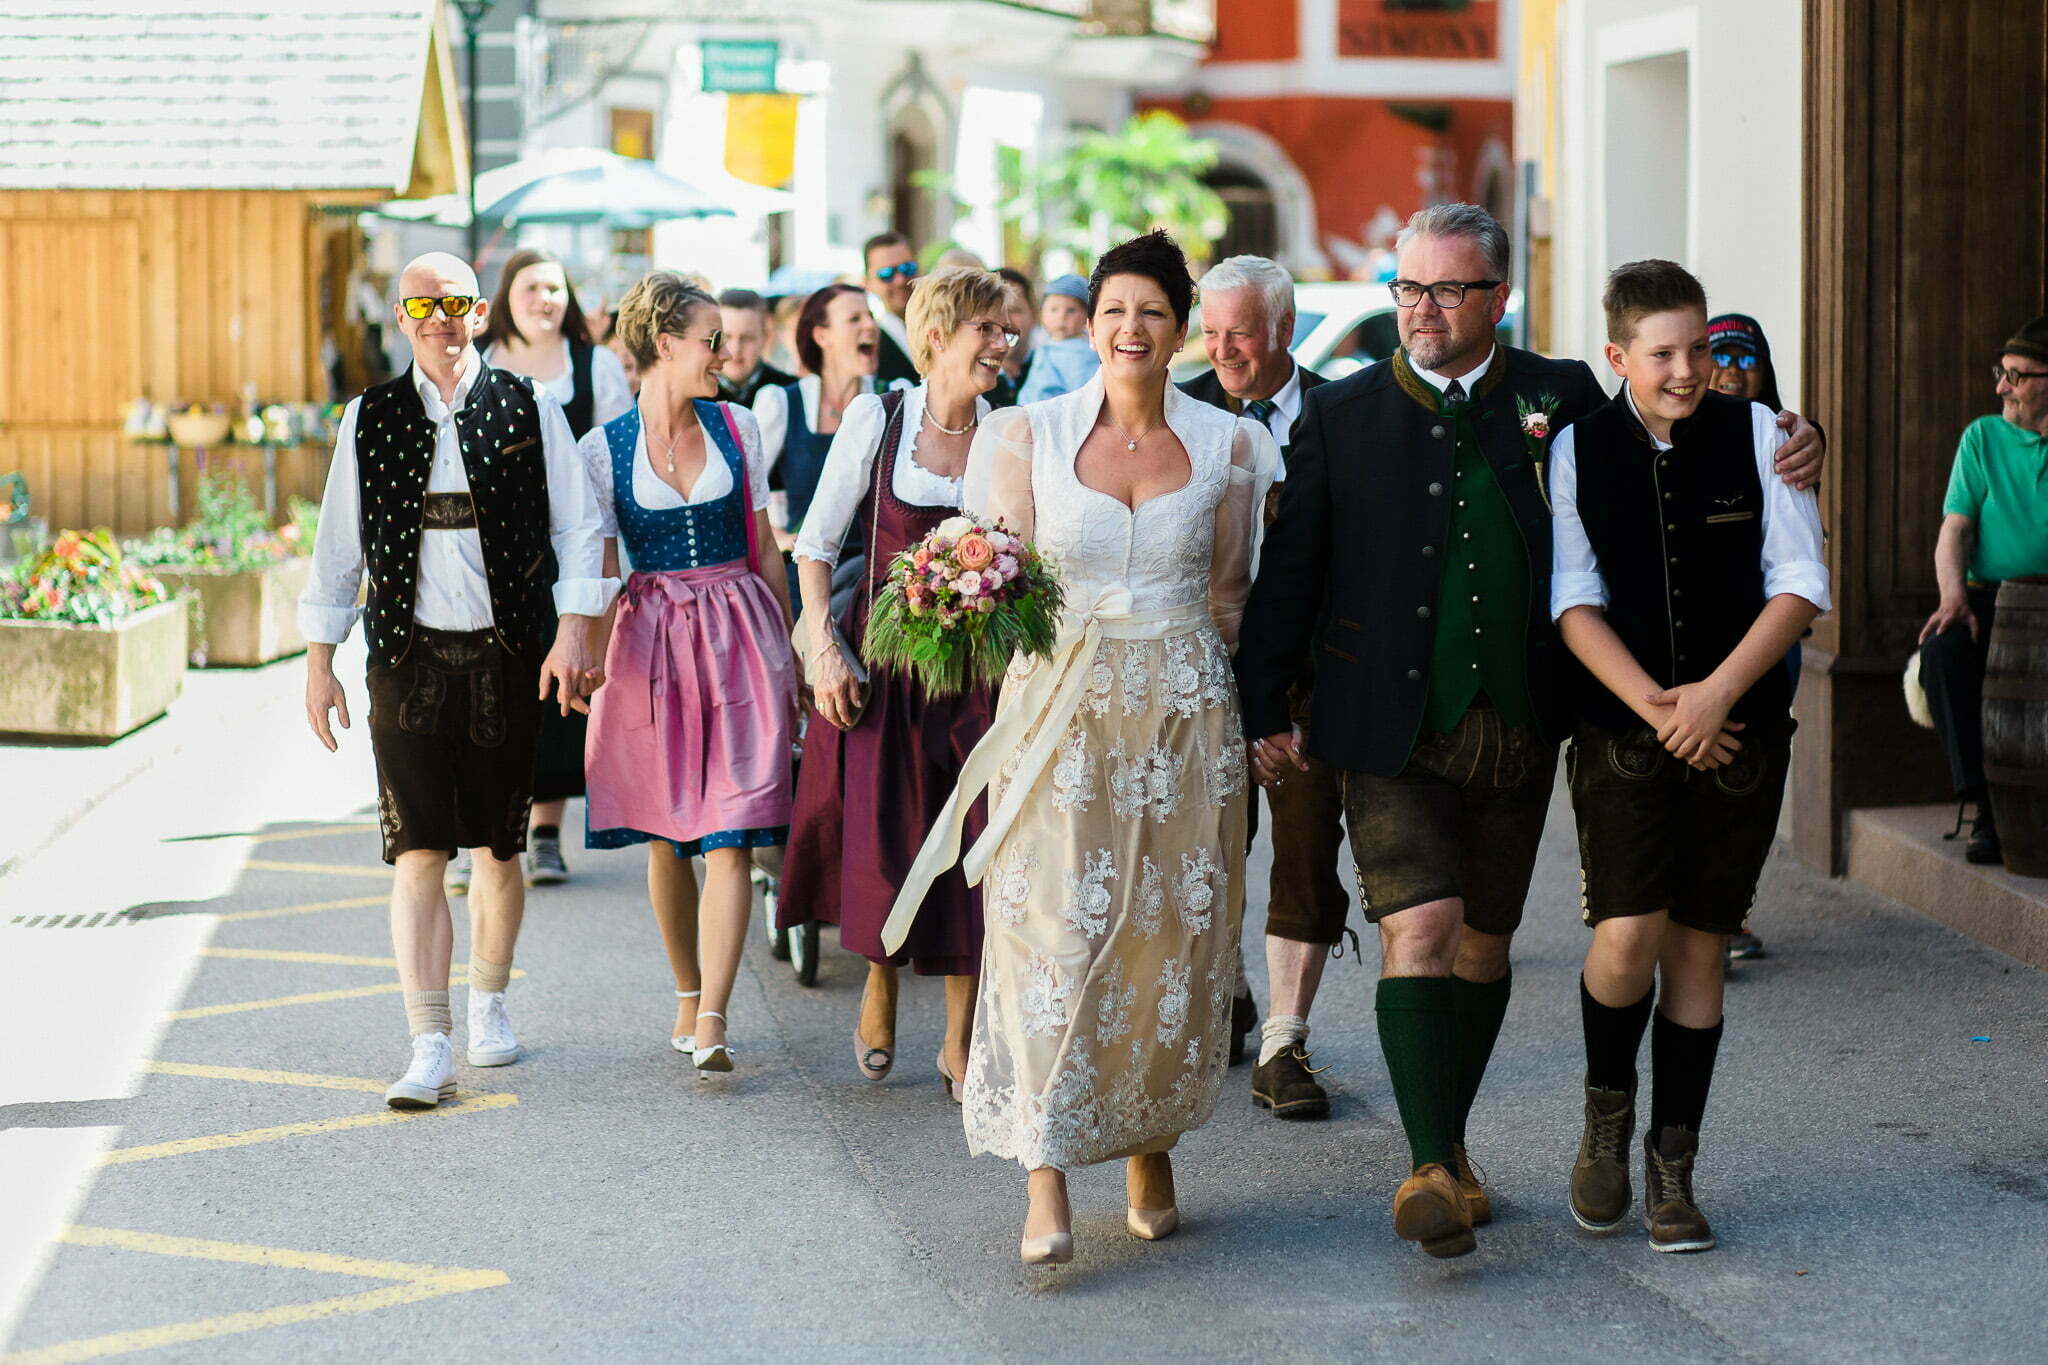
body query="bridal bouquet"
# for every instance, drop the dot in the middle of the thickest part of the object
(960, 603)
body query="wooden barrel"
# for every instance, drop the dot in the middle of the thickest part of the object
(2016, 724)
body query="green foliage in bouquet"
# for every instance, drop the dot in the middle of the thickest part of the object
(960, 605)
(231, 531)
(82, 580)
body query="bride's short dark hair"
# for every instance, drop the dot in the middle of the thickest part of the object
(1157, 257)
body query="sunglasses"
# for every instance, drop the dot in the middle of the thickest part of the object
(906, 270)
(1736, 360)
(715, 340)
(451, 305)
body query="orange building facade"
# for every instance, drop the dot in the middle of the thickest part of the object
(1336, 119)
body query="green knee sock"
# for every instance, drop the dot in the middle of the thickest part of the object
(1480, 1006)
(1418, 1030)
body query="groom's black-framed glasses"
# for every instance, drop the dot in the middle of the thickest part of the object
(1446, 293)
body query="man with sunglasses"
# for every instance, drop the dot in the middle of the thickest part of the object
(891, 267)
(458, 489)
(1994, 526)
(1412, 550)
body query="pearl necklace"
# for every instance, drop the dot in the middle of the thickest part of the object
(1130, 441)
(937, 425)
(670, 446)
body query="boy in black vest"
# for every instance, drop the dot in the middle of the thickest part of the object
(457, 489)
(1683, 572)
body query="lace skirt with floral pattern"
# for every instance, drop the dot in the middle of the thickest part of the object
(1112, 910)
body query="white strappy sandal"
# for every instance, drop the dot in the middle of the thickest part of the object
(683, 1042)
(717, 1057)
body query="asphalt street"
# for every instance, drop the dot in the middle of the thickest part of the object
(1875, 1162)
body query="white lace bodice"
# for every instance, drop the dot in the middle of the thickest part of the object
(1198, 541)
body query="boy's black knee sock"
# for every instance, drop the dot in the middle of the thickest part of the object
(1681, 1069)
(1614, 1034)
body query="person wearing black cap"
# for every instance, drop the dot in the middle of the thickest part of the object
(1742, 360)
(1994, 526)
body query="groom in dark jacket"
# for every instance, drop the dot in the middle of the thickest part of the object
(1412, 553)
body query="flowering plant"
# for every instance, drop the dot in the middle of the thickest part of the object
(81, 579)
(960, 603)
(231, 531)
(1536, 417)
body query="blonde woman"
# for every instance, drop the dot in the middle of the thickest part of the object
(690, 732)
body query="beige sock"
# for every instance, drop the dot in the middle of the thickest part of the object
(490, 977)
(427, 1012)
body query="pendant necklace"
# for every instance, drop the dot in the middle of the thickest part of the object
(669, 450)
(1130, 441)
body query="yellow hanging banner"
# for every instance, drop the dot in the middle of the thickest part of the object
(760, 138)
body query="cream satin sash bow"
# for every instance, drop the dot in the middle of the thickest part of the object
(1048, 701)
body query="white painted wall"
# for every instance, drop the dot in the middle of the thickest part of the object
(1718, 190)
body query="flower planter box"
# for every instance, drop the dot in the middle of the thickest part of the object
(91, 682)
(244, 617)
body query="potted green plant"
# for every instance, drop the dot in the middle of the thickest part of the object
(244, 577)
(90, 646)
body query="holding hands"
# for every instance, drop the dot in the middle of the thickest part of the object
(1271, 755)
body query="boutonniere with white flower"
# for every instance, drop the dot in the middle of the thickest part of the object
(1537, 419)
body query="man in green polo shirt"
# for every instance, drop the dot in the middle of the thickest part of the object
(1994, 526)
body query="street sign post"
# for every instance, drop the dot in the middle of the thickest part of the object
(740, 67)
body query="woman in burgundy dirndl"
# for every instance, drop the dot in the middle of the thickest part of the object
(874, 778)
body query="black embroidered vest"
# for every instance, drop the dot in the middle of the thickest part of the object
(500, 436)
(1679, 534)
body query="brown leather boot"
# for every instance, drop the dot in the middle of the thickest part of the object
(1673, 1219)
(1430, 1208)
(1600, 1188)
(1476, 1197)
(1287, 1085)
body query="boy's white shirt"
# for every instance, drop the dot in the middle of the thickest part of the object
(1793, 560)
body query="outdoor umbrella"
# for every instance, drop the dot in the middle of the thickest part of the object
(618, 191)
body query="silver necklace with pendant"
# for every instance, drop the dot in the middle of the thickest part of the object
(1130, 441)
(670, 448)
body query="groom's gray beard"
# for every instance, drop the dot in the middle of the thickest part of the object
(1434, 352)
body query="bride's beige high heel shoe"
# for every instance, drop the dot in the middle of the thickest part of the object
(1055, 1248)
(1151, 1224)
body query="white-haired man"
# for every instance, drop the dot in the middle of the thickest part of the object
(1247, 323)
(1413, 553)
(457, 487)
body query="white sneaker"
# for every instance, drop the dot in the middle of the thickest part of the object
(490, 1031)
(456, 878)
(431, 1077)
(544, 865)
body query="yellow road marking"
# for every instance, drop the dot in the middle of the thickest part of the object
(382, 874)
(314, 997)
(285, 955)
(414, 1283)
(462, 1104)
(241, 1073)
(353, 902)
(317, 832)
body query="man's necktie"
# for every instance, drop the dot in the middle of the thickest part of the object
(1260, 410)
(1454, 393)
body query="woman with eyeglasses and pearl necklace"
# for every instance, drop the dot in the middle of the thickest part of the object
(875, 777)
(694, 709)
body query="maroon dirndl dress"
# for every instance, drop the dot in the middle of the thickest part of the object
(866, 797)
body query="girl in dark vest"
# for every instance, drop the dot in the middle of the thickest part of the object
(875, 778)
(836, 347)
(690, 733)
(537, 329)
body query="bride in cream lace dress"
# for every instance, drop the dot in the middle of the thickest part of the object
(1114, 855)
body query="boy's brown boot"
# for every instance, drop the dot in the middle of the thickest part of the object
(1600, 1188)
(1673, 1219)
(1431, 1209)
